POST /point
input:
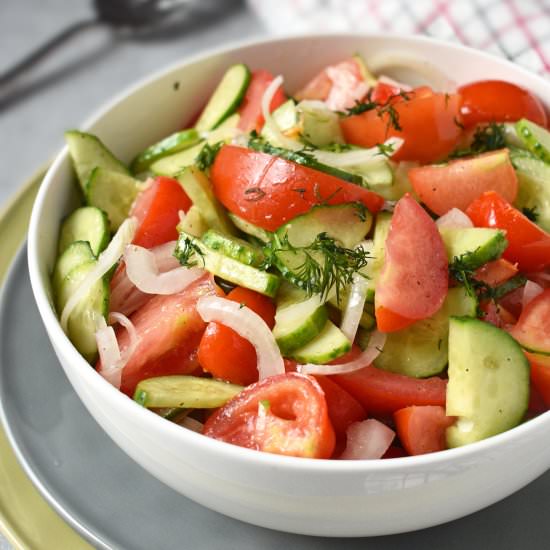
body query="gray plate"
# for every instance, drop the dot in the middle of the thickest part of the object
(116, 504)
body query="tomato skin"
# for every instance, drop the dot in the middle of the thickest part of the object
(496, 272)
(429, 127)
(533, 328)
(225, 354)
(295, 422)
(540, 375)
(169, 328)
(250, 109)
(382, 392)
(458, 183)
(157, 211)
(414, 278)
(480, 103)
(389, 321)
(275, 183)
(528, 244)
(421, 429)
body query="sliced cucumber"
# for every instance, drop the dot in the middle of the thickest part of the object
(488, 387)
(372, 270)
(534, 185)
(286, 118)
(193, 223)
(320, 126)
(377, 176)
(475, 245)
(226, 98)
(197, 186)
(328, 345)
(421, 349)
(535, 137)
(347, 223)
(81, 328)
(336, 309)
(227, 268)
(75, 254)
(233, 247)
(113, 192)
(187, 392)
(250, 229)
(168, 146)
(87, 223)
(296, 324)
(88, 152)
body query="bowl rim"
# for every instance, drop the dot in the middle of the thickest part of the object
(226, 451)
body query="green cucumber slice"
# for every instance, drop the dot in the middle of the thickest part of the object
(82, 323)
(534, 185)
(421, 350)
(88, 152)
(168, 146)
(193, 223)
(535, 137)
(77, 253)
(336, 309)
(227, 268)
(184, 392)
(250, 229)
(488, 387)
(226, 98)
(197, 186)
(112, 192)
(474, 245)
(233, 247)
(87, 223)
(286, 118)
(298, 323)
(320, 126)
(328, 345)
(373, 268)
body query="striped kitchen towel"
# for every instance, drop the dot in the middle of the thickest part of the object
(516, 29)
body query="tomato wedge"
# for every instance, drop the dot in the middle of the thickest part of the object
(480, 103)
(532, 330)
(284, 414)
(458, 183)
(414, 278)
(382, 392)
(250, 109)
(528, 244)
(169, 329)
(428, 126)
(267, 191)
(225, 354)
(540, 375)
(421, 429)
(496, 272)
(157, 211)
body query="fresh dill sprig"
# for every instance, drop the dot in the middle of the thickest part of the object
(321, 266)
(187, 252)
(361, 107)
(486, 138)
(207, 155)
(531, 213)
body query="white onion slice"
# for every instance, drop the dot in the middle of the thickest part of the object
(357, 156)
(164, 256)
(454, 218)
(354, 307)
(367, 440)
(270, 91)
(191, 424)
(372, 351)
(346, 89)
(121, 319)
(107, 259)
(109, 352)
(142, 270)
(530, 290)
(250, 326)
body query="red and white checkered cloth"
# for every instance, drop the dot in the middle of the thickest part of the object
(516, 29)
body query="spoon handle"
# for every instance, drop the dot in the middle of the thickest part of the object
(45, 49)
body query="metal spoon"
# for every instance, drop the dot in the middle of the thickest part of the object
(133, 17)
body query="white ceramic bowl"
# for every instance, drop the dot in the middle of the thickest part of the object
(317, 497)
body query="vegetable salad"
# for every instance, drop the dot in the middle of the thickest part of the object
(357, 269)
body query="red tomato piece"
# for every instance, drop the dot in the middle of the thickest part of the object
(284, 414)
(414, 278)
(540, 375)
(250, 109)
(421, 430)
(225, 354)
(343, 408)
(268, 191)
(157, 211)
(382, 392)
(169, 330)
(458, 183)
(496, 272)
(528, 244)
(499, 101)
(533, 327)
(394, 452)
(388, 321)
(383, 91)
(429, 125)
